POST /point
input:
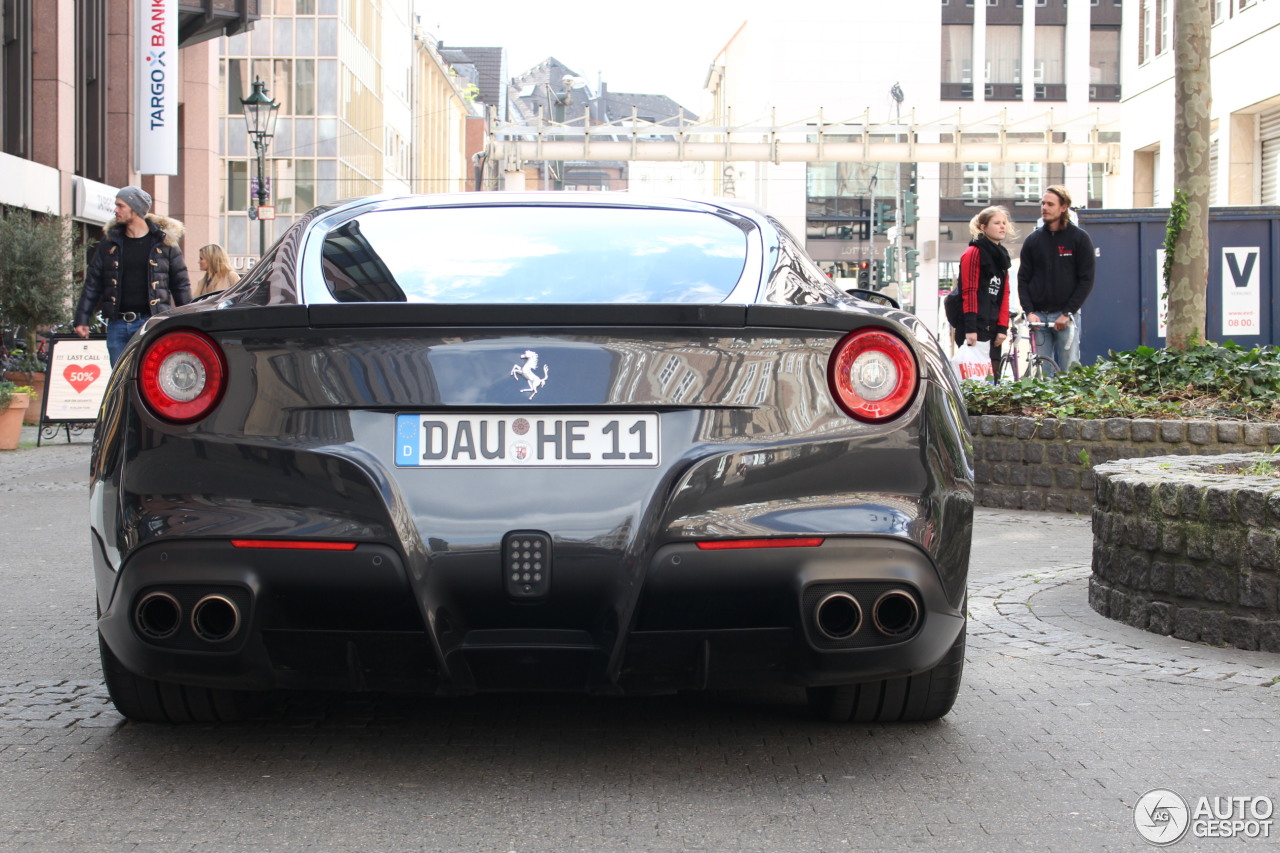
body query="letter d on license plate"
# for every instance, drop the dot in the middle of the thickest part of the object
(514, 441)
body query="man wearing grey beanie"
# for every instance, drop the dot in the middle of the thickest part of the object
(137, 270)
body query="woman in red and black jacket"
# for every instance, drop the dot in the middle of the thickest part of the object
(984, 282)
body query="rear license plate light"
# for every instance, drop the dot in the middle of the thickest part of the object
(526, 563)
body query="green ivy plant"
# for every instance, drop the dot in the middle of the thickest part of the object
(1178, 214)
(1209, 381)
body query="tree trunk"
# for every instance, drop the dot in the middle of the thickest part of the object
(1189, 276)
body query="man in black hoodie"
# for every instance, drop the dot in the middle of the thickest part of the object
(1055, 277)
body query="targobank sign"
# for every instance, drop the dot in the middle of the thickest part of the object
(156, 96)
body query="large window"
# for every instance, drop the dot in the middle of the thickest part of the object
(1146, 30)
(957, 61)
(1155, 28)
(1004, 63)
(91, 90)
(977, 183)
(840, 195)
(295, 187)
(15, 79)
(1049, 74)
(304, 99)
(1104, 64)
(1016, 185)
(1050, 51)
(237, 198)
(1164, 20)
(1028, 181)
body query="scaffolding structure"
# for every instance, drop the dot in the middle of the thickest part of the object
(1043, 138)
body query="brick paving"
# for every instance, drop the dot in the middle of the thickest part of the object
(1064, 720)
(1044, 615)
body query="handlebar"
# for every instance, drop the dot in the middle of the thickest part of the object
(1020, 319)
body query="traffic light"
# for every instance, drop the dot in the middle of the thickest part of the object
(910, 210)
(864, 274)
(882, 215)
(890, 264)
(913, 264)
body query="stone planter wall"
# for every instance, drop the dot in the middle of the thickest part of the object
(1187, 546)
(1031, 464)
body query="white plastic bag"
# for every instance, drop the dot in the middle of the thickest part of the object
(973, 362)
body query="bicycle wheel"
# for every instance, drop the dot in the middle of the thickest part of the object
(1008, 368)
(1042, 367)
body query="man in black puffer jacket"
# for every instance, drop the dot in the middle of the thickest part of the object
(137, 270)
(1055, 277)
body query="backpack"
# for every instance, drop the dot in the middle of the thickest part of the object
(954, 309)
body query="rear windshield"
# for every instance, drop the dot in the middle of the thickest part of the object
(534, 254)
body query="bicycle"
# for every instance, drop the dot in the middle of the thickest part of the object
(1039, 366)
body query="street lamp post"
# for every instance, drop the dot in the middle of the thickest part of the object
(260, 121)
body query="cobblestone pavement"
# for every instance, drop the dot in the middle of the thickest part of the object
(1044, 616)
(1064, 720)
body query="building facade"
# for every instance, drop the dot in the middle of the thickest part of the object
(981, 77)
(338, 128)
(367, 106)
(1245, 113)
(71, 105)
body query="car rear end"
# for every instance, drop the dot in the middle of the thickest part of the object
(460, 496)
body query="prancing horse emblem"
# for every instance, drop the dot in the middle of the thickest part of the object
(528, 372)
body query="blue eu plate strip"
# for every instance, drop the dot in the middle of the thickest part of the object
(408, 436)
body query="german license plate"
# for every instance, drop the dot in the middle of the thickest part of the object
(527, 441)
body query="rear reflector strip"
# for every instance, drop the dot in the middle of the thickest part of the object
(294, 545)
(731, 544)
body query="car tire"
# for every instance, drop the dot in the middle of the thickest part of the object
(913, 698)
(146, 700)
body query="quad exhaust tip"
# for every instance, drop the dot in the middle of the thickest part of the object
(895, 613)
(158, 616)
(838, 616)
(215, 619)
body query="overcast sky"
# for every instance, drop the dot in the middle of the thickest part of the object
(660, 47)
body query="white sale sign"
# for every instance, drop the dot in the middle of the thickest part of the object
(78, 374)
(1241, 291)
(156, 94)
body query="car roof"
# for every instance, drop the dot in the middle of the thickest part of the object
(542, 199)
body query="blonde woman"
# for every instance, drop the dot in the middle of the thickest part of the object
(984, 281)
(218, 274)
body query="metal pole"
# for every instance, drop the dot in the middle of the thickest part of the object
(899, 255)
(557, 115)
(870, 254)
(260, 144)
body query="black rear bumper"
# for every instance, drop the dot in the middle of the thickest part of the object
(692, 619)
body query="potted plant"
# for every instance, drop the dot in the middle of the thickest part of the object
(39, 261)
(13, 404)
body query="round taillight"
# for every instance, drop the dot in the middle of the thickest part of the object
(182, 376)
(873, 375)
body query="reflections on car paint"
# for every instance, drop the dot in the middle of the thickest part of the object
(174, 481)
(164, 515)
(763, 394)
(880, 514)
